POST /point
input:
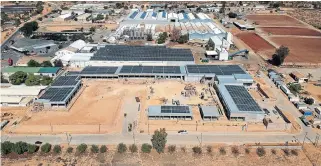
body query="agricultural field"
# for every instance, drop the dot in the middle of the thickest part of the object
(295, 31)
(274, 20)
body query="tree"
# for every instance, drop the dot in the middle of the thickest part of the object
(32, 148)
(280, 54)
(105, 7)
(94, 149)
(20, 147)
(209, 149)
(4, 18)
(46, 148)
(260, 151)
(39, 7)
(40, 18)
(142, 6)
(131, 6)
(32, 80)
(46, 80)
(295, 88)
(162, 38)
(183, 39)
(6, 147)
(133, 148)
(118, 5)
(88, 11)
(222, 151)
(103, 149)
(146, 148)
(46, 64)
(121, 148)
(159, 140)
(18, 78)
(81, 148)
(70, 149)
(92, 29)
(33, 63)
(197, 150)
(222, 9)
(310, 76)
(309, 101)
(77, 37)
(17, 22)
(235, 151)
(232, 15)
(175, 35)
(29, 27)
(57, 149)
(126, 7)
(149, 37)
(58, 63)
(198, 9)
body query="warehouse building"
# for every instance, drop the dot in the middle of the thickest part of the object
(210, 113)
(34, 46)
(42, 71)
(17, 9)
(238, 103)
(22, 91)
(15, 101)
(66, 53)
(167, 112)
(61, 92)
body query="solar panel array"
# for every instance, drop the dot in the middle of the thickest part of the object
(57, 94)
(154, 14)
(151, 69)
(216, 69)
(164, 14)
(175, 109)
(66, 81)
(73, 73)
(132, 16)
(99, 70)
(242, 98)
(143, 15)
(141, 53)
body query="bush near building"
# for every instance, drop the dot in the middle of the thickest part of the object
(18, 78)
(159, 140)
(46, 148)
(260, 151)
(103, 149)
(57, 149)
(70, 149)
(197, 150)
(146, 148)
(94, 149)
(6, 147)
(121, 148)
(32, 148)
(81, 148)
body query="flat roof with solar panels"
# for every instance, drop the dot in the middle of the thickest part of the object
(238, 103)
(66, 81)
(170, 112)
(214, 69)
(153, 70)
(142, 53)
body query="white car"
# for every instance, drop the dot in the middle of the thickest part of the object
(182, 132)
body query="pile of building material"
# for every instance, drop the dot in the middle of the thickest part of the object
(190, 90)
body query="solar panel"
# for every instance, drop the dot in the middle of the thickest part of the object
(242, 98)
(57, 94)
(175, 109)
(66, 81)
(150, 69)
(142, 53)
(215, 69)
(99, 70)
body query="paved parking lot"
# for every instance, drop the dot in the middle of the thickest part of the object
(14, 55)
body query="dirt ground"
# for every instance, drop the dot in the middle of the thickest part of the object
(291, 31)
(315, 91)
(65, 26)
(305, 157)
(274, 20)
(302, 50)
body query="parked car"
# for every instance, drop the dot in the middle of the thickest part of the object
(182, 132)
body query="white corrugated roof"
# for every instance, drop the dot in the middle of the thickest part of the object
(78, 44)
(11, 99)
(22, 90)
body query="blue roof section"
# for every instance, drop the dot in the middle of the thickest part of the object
(164, 14)
(132, 16)
(49, 70)
(143, 15)
(156, 110)
(154, 14)
(243, 76)
(185, 16)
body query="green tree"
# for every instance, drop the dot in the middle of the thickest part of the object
(133, 148)
(197, 150)
(183, 39)
(46, 80)
(78, 37)
(18, 78)
(92, 29)
(57, 149)
(232, 15)
(121, 148)
(105, 7)
(149, 37)
(6, 147)
(260, 151)
(295, 88)
(46, 148)
(162, 38)
(159, 140)
(39, 7)
(81, 148)
(103, 149)
(100, 17)
(58, 63)
(146, 148)
(40, 18)
(33, 63)
(46, 64)
(32, 80)
(32, 148)
(4, 18)
(17, 22)
(309, 101)
(29, 27)
(126, 7)
(94, 149)
(280, 54)
(20, 147)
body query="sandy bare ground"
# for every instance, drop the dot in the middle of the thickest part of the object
(58, 27)
(315, 91)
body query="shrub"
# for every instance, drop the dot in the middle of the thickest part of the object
(46, 148)
(286, 152)
(209, 149)
(273, 151)
(197, 150)
(81, 148)
(235, 151)
(103, 149)
(20, 147)
(32, 148)
(222, 151)
(70, 149)
(171, 148)
(146, 148)
(6, 147)
(121, 148)
(159, 139)
(183, 149)
(94, 149)
(247, 150)
(260, 151)
(57, 149)
(133, 148)
(294, 152)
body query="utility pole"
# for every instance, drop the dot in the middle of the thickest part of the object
(304, 137)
